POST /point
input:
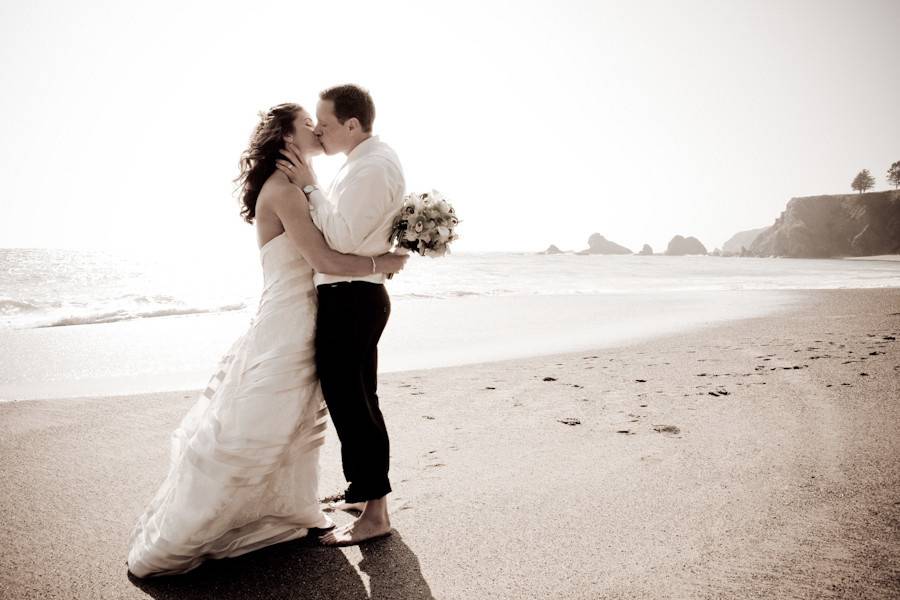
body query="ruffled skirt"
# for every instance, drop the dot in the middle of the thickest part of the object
(243, 470)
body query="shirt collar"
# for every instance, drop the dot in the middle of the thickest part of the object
(364, 147)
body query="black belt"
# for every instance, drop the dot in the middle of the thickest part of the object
(341, 284)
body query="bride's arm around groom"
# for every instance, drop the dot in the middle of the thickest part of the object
(364, 200)
(365, 207)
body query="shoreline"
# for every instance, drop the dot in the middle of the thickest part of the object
(139, 357)
(756, 458)
(879, 257)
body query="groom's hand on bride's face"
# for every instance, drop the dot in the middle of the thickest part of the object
(294, 166)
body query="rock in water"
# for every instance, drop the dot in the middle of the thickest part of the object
(600, 245)
(833, 226)
(552, 250)
(646, 250)
(680, 246)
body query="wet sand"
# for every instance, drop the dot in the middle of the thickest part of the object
(759, 458)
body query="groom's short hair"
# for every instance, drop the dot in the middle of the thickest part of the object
(351, 101)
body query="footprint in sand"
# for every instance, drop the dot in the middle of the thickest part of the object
(570, 421)
(670, 429)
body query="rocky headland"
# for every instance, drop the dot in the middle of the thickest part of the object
(834, 226)
(741, 241)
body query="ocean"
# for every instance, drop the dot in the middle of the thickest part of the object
(86, 322)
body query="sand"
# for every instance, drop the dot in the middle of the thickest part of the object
(755, 459)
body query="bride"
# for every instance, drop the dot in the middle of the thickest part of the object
(243, 470)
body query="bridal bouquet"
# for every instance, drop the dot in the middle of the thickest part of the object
(425, 224)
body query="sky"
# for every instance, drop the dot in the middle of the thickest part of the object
(121, 123)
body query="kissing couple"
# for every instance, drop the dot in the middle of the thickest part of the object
(244, 464)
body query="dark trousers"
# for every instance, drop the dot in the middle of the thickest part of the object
(350, 320)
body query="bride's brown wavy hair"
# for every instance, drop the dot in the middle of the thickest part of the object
(258, 160)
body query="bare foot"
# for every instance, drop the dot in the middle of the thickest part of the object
(345, 506)
(356, 532)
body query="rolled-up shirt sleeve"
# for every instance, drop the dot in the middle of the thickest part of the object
(365, 200)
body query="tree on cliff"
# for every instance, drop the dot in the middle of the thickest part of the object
(893, 174)
(863, 181)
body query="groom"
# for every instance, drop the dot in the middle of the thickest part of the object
(356, 217)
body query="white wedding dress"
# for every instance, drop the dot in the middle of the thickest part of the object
(244, 462)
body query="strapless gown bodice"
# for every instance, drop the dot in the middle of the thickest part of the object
(288, 298)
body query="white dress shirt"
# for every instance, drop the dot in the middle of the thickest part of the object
(357, 215)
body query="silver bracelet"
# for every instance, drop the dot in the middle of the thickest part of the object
(373, 264)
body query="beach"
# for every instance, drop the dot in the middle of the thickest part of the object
(757, 457)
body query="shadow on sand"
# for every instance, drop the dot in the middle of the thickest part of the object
(299, 569)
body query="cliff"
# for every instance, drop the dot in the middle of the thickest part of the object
(835, 225)
(742, 239)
